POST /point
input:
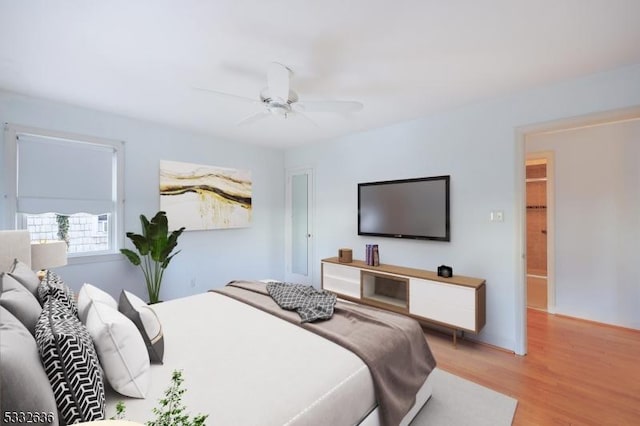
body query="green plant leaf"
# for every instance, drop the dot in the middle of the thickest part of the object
(173, 238)
(145, 225)
(141, 243)
(171, 244)
(121, 409)
(168, 259)
(132, 256)
(158, 235)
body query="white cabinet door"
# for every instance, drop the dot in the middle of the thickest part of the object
(341, 279)
(449, 304)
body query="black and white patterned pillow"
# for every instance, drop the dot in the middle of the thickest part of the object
(71, 363)
(53, 286)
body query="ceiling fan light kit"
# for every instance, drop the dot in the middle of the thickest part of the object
(278, 106)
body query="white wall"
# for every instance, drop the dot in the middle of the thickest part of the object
(597, 220)
(208, 258)
(477, 146)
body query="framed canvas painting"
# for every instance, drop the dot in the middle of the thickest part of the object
(204, 197)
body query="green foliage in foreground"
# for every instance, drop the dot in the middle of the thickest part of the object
(171, 411)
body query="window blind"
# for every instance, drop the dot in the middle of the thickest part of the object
(64, 176)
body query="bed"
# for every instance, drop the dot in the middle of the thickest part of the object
(244, 366)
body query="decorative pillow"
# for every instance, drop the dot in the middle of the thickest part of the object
(19, 301)
(147, 322)
(25, 276)
(53, 286)
(87, 295)
(71, 363)
(121, 350)
(24, 386)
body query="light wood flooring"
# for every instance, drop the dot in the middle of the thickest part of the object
(576, 372)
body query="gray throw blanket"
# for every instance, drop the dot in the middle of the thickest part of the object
(393, 346)
(311, 304)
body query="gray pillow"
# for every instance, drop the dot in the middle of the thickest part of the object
(25, 276)
(24, 386)
(19, 301)
(147, 322)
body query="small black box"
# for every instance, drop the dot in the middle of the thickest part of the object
(445, 271)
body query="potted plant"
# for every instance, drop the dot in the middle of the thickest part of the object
(154, 251)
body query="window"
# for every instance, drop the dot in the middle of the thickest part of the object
(65, 187)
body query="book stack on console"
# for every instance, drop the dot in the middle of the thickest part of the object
(372, 256)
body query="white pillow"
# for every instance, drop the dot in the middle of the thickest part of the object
(121, 350)
(87, 295)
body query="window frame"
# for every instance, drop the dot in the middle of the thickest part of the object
(12, 219)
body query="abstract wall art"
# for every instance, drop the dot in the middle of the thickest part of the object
(205, 197)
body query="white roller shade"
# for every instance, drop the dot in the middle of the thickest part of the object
(63, 176)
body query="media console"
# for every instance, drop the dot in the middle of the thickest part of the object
(457, 302)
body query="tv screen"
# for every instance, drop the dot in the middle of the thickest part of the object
(409, 208)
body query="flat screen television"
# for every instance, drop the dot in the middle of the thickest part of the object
(408, 208)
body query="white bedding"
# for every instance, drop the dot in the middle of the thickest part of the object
(243, 366)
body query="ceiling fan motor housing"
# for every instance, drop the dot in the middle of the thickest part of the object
(278, 106)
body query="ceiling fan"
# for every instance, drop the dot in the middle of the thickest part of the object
(278, 99)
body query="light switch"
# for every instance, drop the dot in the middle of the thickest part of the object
(496, 216)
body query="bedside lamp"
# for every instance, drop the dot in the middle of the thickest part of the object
(48, 255)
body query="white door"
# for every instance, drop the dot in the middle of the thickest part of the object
(299, 264)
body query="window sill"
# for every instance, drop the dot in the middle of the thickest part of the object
(80, 259)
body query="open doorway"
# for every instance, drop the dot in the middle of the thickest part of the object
(539, 231)
(595, 214)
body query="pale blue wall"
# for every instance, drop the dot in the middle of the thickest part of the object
(211, 258)
(477, 146)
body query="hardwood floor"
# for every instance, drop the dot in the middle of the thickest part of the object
(576, 372)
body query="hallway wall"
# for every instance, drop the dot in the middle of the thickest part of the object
(597, 220)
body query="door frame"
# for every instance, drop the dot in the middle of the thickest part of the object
(288, 226)
(521, 132)
(548, 156)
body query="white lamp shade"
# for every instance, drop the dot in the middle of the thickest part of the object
(48, 255)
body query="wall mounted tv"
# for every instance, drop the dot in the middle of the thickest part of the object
(409, 208)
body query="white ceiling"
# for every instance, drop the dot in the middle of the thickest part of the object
(401, 59)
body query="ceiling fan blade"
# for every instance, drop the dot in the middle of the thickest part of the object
(329, 106)
(278, 81)
(226, 95)
(306, 117)
(253, 118)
